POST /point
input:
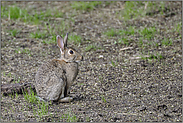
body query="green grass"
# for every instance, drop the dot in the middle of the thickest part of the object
(14, 79)
(136, 9)
(14, 32)
(129, 31)
(140, 43)
(153, 56)
(26, 51)
(76, 39)
(132, 10)
(87, 119)
(23, 51)
(64, 25)
(101, 79)
(51, 40)
(31, 98)
(86, 6)
(126, 34)
(40, 108)
(90, 47)
(160, 56)
(4, 74)
(111, 33)
(124, 41)
(16, 95)
(52, 13)
(153, 5)
(148, 33)
(45, 15)
(123, 33)
(39, 34)
(18, 80)
(70, 117)
(103, 99)
(18, 51)
(9, 74)
(113, 64)
(177, 27)
(166, 42)
(162, 5)
(12, 95)
(80, 84)
(16, 13)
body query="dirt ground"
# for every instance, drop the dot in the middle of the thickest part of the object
(117, 82)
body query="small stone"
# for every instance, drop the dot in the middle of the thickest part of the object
(101, 56)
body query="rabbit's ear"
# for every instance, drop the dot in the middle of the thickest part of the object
(60, 43)
(65, 39)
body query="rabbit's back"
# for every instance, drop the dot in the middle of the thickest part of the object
(50, 77)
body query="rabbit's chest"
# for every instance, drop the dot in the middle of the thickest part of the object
(71, 72)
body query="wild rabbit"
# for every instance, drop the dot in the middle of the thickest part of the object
(54, 78)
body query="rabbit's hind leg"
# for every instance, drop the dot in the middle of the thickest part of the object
(55, 91)
(62, 93)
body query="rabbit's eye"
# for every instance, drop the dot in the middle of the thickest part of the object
(71, 52)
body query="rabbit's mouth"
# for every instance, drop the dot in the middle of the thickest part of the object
(69, 61)
(78, 59)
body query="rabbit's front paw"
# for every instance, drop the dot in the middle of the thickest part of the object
(66, 99)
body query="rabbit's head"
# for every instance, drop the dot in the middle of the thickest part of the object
(67, 54)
